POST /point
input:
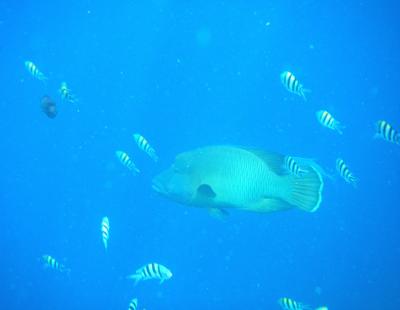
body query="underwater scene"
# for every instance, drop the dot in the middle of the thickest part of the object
(169, 154)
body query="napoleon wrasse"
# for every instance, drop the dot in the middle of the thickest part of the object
(222, 177)
(48, 107)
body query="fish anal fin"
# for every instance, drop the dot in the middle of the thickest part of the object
(266, 205)
(217, 213)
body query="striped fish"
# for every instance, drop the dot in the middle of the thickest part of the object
(289, 304)
(151, 271)
(133, 304)
(327, 120)
(144, 145)
(322, 308)
(66, 93)
(345, 173)
(293, 167)
(293, 85)
(105, 231)
(34, 71)
(126, 161)
(386, 132)
(52, 263)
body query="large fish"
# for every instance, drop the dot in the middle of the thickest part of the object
(219, 177)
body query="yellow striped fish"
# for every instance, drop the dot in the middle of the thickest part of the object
(345, 173)
(126, 161)
(105, 231)
(327, 120)
(34, 71)
(144, 145)
(293, 85)
(386, 132)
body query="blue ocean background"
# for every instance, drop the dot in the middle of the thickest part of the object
(185, 75)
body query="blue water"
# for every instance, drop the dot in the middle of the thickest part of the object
(186, 75)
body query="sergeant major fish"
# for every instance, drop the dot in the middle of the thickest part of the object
(133, 304)
(219, 177)
(126, 161)
(345, 173)
(66, 93)
(290, 304)
(34, 71)
(293, 167)
(293, 85)
(327, 120)
(151, 271)
(386, 132)
(105, 231)
(50, 262)
(144, 145)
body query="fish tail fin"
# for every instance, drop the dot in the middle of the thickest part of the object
(303, 93)
(353, 181)
(306, 192)
(339, 127)
(397, 138)
(135, 277)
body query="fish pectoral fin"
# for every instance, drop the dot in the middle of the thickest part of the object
(219, 214)
(266, 205)
(206, 191)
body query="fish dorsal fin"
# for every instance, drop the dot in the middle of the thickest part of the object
(275, 161)
(205, 191)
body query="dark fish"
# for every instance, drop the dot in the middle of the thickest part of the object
(48, 107)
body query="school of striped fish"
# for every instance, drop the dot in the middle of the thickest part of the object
(293, 166)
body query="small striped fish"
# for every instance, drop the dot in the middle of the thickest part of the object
(327, 120)
(144, 145)
(34, 71)
(289, 304)
(126, 161)
(133, 304)
(386, 132)
(151, 271)
(345, 173)
(51, 262)
(105, 231)
(293, 85)
(66, 93)
(293, 167)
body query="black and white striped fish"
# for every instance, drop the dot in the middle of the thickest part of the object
(126, 161)
(133, 304)
(52, 263)
(327, 120)
(66, 93)
(105, 231)
(144, 145)
(293, 167)
(386, 132)
(290, 304)
(34, 71)
(151, 271)
(344, 172)
(293, 85)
